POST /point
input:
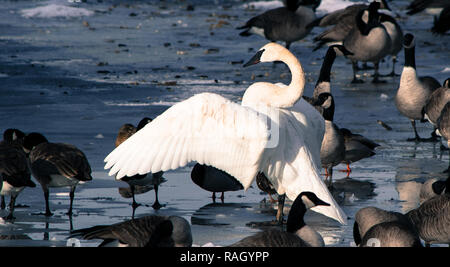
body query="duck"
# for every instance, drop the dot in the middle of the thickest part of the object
(146, 231)
(368, 42)
(368, 217)
(14, 169)
(210, 129)
(441, 24)
(413, 91)
(391, 234)
(417, 6)
(357, 147)
(431, 219)
(154, 179)
(214, 180)
(56, 165)
(332, 151)
(287, 23)
(297, 233)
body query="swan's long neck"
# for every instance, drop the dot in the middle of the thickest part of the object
(294, 91)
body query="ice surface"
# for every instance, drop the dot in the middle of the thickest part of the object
(55, 10)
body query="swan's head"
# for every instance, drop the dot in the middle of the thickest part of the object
(268, 53)
(408, 41)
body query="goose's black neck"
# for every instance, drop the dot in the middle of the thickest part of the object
(328, 113)
(325, 70)
(410, 58)
(295, 218)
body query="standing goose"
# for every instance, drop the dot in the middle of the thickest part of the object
(154, 179)
(264, 184)
(214, 180)
(368, 42)
(443, 127)
(391, 234)
(212, 130)
(332, 151)
(287, 24)
(413, 91)
(148, 231)
(357, 147)
(14, 169)
(368, 217)
(436, 102)
(297, 233)
(56, 165)
(432, 219)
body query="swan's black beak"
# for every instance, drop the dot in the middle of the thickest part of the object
(255, 59)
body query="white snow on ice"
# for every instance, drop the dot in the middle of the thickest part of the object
(55, 10)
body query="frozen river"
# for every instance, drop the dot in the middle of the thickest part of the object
(77, 71)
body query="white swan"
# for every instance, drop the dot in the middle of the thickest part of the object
(237, 139)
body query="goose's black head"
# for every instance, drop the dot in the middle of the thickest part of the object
(340, 49)
(143, 122)
(447, 83)
(303, 202)
(33, 139)
(198, 174)
(408, 41)
(326, 101)
(13, 135)
(384, 5)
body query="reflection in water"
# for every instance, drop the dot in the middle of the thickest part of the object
(408, 193)
(221, 214)
(347, 190)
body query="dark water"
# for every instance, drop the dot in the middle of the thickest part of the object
(79, 77)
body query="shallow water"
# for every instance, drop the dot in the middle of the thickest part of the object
(78, 75)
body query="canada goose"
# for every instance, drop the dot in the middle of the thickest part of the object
(417, 6)
(368, 42)
(56, 165)
(413, 91)
(214, 180)
(148, 231)
(210, 129)
(368, 217)
(436, 102)
(432, 187)
(287, 23)
(443, 127)
(297, 233)
(391, 234)
(441, 24)
(332, 151)
(154, 179)
(14, 169)
(357, 147)
(323, 82)
(431, 219)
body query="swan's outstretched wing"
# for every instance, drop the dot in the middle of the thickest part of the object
(206, 128)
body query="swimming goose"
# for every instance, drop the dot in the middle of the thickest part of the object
(441, 24)
(432, 218)
(214, 180)
(368, 42)
(357, 147)
(148, 231)
(287, 24)
(332, 151)
(391, 234)
(368, 217)
(413, 91)
(297, 233)
(14, 169)
(419, 5)
(155, 179)
(212, 130)
(56, 165)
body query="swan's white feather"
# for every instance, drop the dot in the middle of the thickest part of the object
(206, 128)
